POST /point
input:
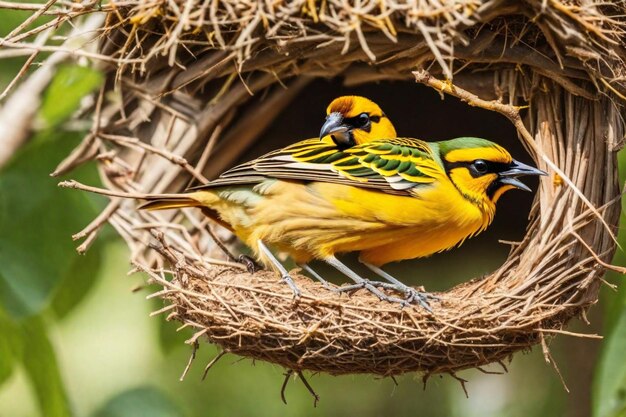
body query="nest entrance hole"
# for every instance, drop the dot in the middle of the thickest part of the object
(416, 111)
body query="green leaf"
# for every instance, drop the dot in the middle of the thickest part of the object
(27, 342)
(36, 220)
(10, 346)
(140, 402)
(67, 89)
(610, 383)
(78, 281)
(613, 301)
(39, 361)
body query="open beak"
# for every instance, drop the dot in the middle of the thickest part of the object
(334, 126)
(518, 169)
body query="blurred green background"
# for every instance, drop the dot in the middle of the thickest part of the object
(76, 341)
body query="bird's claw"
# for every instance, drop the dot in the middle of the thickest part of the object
(365, 284)
(251, 265)
(411, 295)
(294, 288)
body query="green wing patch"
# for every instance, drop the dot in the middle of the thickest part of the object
(392, 165)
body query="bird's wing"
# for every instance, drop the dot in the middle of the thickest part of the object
(395, 166)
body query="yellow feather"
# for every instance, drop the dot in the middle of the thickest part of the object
(494, 153)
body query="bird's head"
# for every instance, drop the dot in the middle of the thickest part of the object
(483, 170)
(353, 120)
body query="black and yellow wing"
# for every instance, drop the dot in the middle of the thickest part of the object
(394, 166)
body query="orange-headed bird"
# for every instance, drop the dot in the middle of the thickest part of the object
(354, 120)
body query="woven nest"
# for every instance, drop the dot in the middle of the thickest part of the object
(191, 84)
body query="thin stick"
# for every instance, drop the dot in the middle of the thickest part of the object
(113, 193)
(221, 244)
(580, 195)
(83, 247)
(213, 362)
(28, 21)
(511, 112)
(97, 223)
(308, 386)
(284, 386)
(549, 359)
(194, 348)
(19, 75)
(176, 159)
(582, 335)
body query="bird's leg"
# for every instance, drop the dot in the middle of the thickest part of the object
(361, 282)
(317, 276)
(412, 295)
(283, 272)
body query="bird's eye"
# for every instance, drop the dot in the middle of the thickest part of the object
(363, 119)
(480, 166)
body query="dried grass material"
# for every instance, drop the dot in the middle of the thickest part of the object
(171, 113)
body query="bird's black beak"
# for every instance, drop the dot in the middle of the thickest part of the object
(518, 169)
(334, 127)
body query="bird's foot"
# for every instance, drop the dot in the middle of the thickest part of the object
(284, 274)
(392, 283)
(372, 286)
(287, 279)
(251, 265)
(415, 296)
(365, 284)
(411, 295)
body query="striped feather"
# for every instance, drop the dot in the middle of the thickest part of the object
(394, 166)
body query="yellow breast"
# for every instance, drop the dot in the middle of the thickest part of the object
(437, 218)
(320, 219)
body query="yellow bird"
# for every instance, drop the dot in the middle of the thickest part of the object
(388, 199)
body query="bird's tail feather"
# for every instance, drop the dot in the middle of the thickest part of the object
(201, 199)
(171, 201)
